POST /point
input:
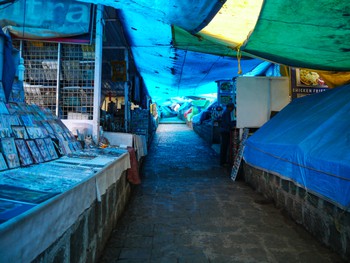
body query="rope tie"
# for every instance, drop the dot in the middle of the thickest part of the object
(239, 55)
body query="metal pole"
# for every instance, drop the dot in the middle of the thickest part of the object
(126, 90)
(21, 48)
(98, 73)
(58, 79)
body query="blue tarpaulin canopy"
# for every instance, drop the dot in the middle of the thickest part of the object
(302, 34)
(180, 47)
(168, 71)
(308, 142)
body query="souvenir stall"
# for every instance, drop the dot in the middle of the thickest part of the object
(206, 123)
(47, 176)
(52, 184)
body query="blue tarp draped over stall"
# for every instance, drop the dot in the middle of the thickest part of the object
(9, 67)
(308, 142)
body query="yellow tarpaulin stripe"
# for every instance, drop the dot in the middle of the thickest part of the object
(335, 79)
(234, 22)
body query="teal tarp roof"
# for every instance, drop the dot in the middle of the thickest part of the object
(168, 71)
(295, 33)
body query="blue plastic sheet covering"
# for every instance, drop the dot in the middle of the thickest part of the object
(309, 143)
(46, 19)
(265, 69)
(9, 67)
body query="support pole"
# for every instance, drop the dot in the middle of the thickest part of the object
(58, 79)
(98, 73)
(126, 91)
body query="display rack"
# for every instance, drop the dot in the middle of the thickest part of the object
(76, 82)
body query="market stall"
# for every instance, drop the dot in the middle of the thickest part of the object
(300, 159)
(44, 204)
(49, 183)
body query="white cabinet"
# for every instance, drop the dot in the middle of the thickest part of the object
(258, 97)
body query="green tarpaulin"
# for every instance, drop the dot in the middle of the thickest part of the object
(306, 34)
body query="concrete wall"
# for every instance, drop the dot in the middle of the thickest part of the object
(326, 221)
(85, 240)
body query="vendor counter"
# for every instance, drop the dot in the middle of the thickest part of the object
(63, 210)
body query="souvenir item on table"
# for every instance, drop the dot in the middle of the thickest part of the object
(23, 152)
(23, 107)
(55, 126)
(33, 148)
(61, 137)
(45, 177)
(48, 128)
(63, 127)
(12, 108)
(5, 133)
(67, 137)
(8, 148)
(70, 136)
(10, 209)
(34, 132)
(24, 194)
(19, 132)
(3, 108)
(27, 120)
(43, 149)
(64, 145)
(77, 145)
(14, 120)
(35, 118)
(17, 92)
(44, 131)
(37, 111)
(115, 152)
(48, 114)
(81, 155)
(3, 165)
(5, 121)
(71, 147)
(51, 148)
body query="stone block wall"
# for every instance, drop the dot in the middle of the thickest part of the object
(326, 221)
(208, 132)
(85, 240)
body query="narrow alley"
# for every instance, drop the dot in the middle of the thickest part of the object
(187, 209)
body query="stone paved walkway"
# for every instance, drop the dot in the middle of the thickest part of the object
(189, 210)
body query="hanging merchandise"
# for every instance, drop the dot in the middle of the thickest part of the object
(9, 68)
(225, 91)
(17, 92)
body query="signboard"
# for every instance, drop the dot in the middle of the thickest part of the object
(225, 91)
(61, 19)
(118, 70)
(306, 82)
(239, 155)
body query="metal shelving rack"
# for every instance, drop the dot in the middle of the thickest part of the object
(73, 96)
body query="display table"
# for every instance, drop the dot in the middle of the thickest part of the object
(57, 198)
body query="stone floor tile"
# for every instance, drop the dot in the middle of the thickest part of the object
(187, 209)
